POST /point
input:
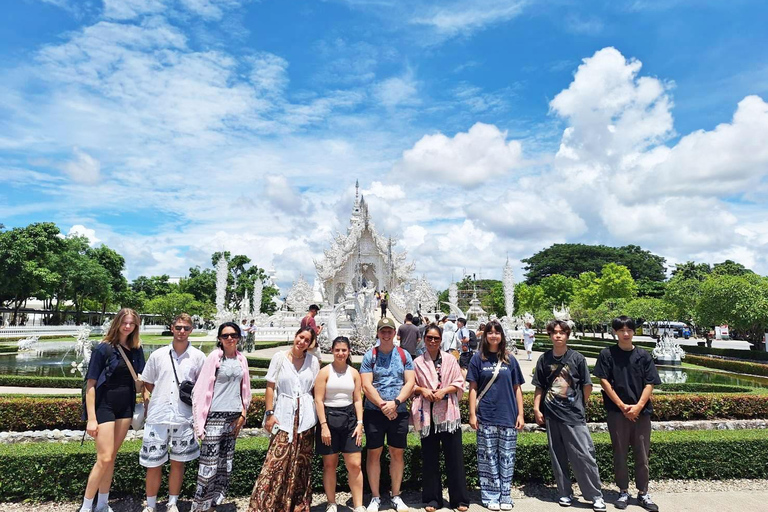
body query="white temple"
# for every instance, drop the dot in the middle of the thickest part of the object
(362, 258)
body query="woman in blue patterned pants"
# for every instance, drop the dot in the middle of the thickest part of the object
(496, 411)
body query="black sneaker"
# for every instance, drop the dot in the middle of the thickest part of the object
(645, 501)
(623, 501)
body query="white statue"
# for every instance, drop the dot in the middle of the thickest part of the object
(300, 296)
(667, 351)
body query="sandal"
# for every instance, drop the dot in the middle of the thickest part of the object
(462, 508)
(431, 506)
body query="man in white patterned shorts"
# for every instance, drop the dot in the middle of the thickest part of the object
(168, 431)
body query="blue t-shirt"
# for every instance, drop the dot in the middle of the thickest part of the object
(388, 374)
(499, 405)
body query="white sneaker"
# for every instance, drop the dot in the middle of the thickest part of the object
(598, 505)
(399, 505)
(507, 506)
(359, 509)
(148, 509)
(331, 507)
(171, 508)
(104, 508)
(374, 505)
(494, 506)
(566, 501)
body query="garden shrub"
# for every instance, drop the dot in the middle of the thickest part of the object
(52, 471)
(35, 381)
(18, 413)
(729, 365)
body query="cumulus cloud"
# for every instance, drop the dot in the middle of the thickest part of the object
(386, 192)
(469, 158)
(282, 196)
(80, 230)
(397, 90)
(83, 168)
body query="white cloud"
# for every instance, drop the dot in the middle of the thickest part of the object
(466, 16)
(83, 168)
(398, 90)
(129, 9)
(469, 159)
(80, 230)
(282, 196)
(386, 192)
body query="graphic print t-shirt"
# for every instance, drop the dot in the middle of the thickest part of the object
(564, 400)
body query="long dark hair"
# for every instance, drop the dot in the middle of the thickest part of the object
(345, 340)
(221, 328)
(502, 353)
(312, 339)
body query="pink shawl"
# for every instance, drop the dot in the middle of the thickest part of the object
(446, 413)
(202, 394)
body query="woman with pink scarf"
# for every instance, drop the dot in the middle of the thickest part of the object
(220, 403)
(435, 415)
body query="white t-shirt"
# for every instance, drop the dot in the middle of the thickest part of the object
(293, 392)
(529, 335)
(165, 407)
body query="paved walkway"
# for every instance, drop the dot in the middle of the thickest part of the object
(720, 501)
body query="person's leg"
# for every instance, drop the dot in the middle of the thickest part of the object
(619, 428)
(353, 462)
(430, 460)
(454, 464)
(121, 429)
(175, 478)
(373, 469)
(183, 448)
(396, 468)
(105, 458)
(206, 471)
(330, 463)
(559, 458)
(488, 463)
(581, 455)
(507, 449)
(153, 454)
(152, 485)
(641, 448)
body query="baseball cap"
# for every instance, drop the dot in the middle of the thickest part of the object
(313, 307)
(385, 322)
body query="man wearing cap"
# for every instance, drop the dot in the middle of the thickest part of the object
(388, 378)
(309, 320)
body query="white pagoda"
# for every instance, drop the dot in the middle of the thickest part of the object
(362, 259)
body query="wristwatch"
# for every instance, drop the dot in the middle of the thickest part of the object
(397, 402)
(269, 413)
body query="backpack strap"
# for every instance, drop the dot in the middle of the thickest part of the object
(399, 351)
(402, 355)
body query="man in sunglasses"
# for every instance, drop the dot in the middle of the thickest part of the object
(168, 431)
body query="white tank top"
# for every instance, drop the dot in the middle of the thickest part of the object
(339, 388)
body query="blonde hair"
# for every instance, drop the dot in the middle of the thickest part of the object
(113, 335)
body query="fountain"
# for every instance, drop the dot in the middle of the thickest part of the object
(28, 344)
(667, 351)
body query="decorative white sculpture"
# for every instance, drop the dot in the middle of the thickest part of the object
(564, 314)
(453, 294)
(245, 306)
(258, 291)
(223, 314)
(508, 282)
(84, 347)
(667, 351)
(300, 296)
(28, 344)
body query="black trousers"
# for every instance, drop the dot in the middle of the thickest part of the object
(432, 489)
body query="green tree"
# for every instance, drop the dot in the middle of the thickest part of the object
(529, 298)
(616, 282)
(651, 310)
(571, 260)
(558, 290)
(586, 291)
(153, 286)
(201, 283)
(684, 294)
(493, 301)
(654, 289)
(692, 270)
(730, 268)
(26, 259)
(739, 301)
(170, 305)
(114, 264)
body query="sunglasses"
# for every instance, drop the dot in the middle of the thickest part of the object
(432, 338)
(230, 335)
(185, 328)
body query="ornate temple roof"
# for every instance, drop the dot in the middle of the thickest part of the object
(344, 247)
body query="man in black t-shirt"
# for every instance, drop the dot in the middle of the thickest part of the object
(563, 387)
(627, 375)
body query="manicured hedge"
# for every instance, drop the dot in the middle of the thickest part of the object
(700, 387)
(728, 364)
(8, 349)
(23, 413)
(51, 471)
(747, 355)
(34, 381)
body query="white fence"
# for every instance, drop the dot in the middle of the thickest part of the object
(62, 330)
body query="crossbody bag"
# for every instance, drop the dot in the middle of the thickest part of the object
(185, 387)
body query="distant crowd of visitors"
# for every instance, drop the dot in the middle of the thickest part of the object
(414, 376)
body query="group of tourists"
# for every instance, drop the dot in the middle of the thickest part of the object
(196, 406)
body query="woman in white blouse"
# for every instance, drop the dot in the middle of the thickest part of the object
(283, 484)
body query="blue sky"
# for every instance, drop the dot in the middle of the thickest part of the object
(170, 129)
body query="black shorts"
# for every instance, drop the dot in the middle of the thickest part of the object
(342, 422)
(377, 425)
(114, 404)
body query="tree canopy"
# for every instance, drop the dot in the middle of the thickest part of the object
(571, 260)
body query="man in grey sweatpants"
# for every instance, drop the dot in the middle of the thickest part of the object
(563, 386)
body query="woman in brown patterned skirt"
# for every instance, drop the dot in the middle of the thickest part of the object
(284, 482)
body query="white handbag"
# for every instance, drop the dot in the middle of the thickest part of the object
(137, 421)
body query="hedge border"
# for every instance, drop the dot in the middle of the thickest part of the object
(757, 369)
(35, 381)
(51, 471)
(20, 413)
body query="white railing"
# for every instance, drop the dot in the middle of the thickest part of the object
(62, 330)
